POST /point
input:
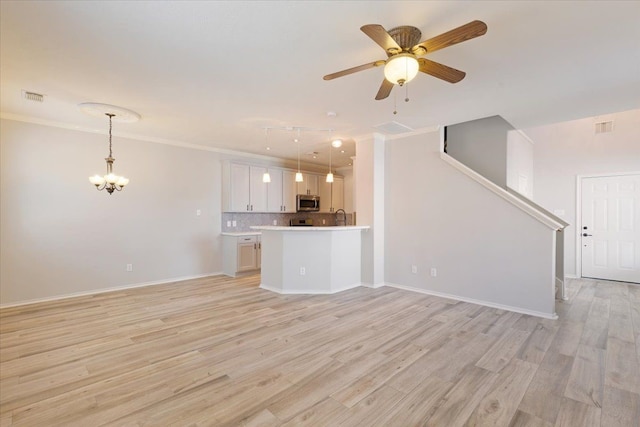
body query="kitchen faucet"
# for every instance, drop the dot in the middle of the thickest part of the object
(343, 218)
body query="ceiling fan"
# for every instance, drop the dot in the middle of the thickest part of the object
(404, 49)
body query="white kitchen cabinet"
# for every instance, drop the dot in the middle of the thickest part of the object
(337, 195)
(241, 253)
(243, 189)
(309, 185)
(281, 191)
(257, 189)
(288, 191)
(332, 194)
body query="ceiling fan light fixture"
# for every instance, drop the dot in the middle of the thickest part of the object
(401, 68)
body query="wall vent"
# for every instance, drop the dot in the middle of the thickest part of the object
(604, 127)
(392, 128)
(32, 96)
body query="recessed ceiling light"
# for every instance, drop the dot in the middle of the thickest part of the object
(342, 151)
(268, 148)
(336, 143)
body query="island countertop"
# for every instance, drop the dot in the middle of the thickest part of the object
(315, 228)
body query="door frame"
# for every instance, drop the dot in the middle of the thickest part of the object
(578, 223)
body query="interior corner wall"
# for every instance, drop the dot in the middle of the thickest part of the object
(481, 145)
(370, 206)
(484, 248)
(563, 151)
(59, 236)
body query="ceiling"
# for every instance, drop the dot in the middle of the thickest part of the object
(215, 74)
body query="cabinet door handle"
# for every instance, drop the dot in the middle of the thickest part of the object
(259, 245)
(247, 207)
(251, 207)
(254, 246)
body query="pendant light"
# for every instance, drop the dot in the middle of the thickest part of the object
(266, 178)
(298, 174)
(330, 174)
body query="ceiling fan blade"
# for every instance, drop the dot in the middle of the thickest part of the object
(440, 71)
(378, 34)
(458, 35)
(353, 70)
(385, 89)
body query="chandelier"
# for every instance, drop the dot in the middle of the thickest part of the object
(110, 181)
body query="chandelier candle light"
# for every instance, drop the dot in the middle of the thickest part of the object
(110, 182)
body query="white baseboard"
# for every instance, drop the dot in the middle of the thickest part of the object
(571, 276)
(309, 292)
(373, 285)
(105, 290)
(475, 301)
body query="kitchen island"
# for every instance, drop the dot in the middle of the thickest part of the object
(310, 260)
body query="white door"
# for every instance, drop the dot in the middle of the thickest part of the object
(610, 228)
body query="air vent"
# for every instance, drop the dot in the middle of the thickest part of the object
(392, 128)
(604, 127)
(32, 96)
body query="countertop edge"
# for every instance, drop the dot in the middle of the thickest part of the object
(240, 233)
(320, 228)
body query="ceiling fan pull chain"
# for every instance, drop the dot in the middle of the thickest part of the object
(395, 103)
(406, 85)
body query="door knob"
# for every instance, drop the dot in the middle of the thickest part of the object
(586, 235)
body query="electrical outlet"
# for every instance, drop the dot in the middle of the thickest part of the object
(303, 271)
(228, 223)
(233, 223)
(129, 267)
(198, 212)
(275, 222)
(324, 222)
(414, 269)
(434, 272)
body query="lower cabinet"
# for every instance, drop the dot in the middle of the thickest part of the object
(241, 254)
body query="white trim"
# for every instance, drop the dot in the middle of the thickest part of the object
(475, 301)
(373, 286)
(517, 202)
(309, 292)
(560, 286)
(570, 276)
(578, 221)
(105, 290)
(175, 143)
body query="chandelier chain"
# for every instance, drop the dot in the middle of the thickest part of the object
(110, 127)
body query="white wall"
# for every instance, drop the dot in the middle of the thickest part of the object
(61, 236)
(565, 150)
(484, 248)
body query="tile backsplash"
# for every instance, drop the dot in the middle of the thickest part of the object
(245, 220)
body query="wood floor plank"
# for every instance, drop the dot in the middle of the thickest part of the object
(620, 408)
(574, 413)
(220, 351)
(500, 403)
(586, 381)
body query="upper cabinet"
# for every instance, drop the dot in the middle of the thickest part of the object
(331, 194)
(309, 184)
(244, 191)
(281, 191)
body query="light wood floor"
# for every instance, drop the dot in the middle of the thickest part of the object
(220, 351)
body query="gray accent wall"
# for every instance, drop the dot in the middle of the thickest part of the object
(481, 145)
(484, 248)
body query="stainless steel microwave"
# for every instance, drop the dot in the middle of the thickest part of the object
(307, 203)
